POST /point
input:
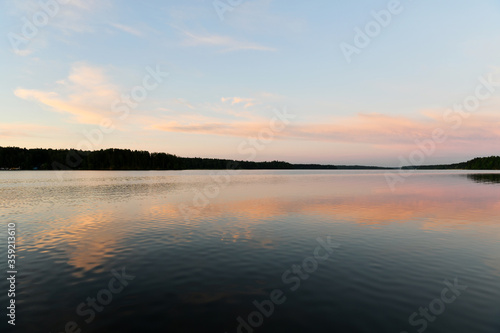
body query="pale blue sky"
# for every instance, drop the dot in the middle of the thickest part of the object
(226, 76)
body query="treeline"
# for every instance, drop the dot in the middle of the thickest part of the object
(125, 159)
(479, 163)
(338, 167)
(118, 159)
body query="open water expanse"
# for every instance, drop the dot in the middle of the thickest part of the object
(252, 251)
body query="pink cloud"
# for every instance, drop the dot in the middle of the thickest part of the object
(380, 130)
(86, 94)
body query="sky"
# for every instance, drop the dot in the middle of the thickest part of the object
(384, 83)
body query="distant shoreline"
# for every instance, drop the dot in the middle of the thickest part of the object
(16, 159)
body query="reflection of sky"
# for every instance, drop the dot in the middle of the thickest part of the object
(87, 240)
(90, 227)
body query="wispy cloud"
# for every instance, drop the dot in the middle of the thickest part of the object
(77, 15)
(127, 29)
(238, 100)
(66, 18)
(182, 101)
(258, 16)
(373, 129)
(227, 43)
(86, 94)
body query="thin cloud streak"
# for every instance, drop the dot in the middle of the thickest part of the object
(228, 43)
(373, 129)
(127, 29)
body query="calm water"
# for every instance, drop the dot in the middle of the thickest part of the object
(198, 250)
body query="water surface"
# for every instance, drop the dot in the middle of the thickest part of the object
(204, 245)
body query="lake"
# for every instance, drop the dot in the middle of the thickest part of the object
(252, 251)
